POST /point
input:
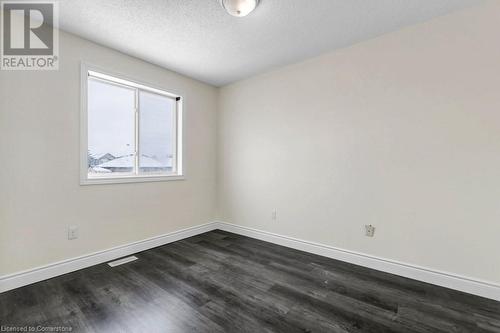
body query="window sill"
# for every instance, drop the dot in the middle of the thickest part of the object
(129, 179)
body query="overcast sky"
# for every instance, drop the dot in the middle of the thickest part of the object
(111, 122)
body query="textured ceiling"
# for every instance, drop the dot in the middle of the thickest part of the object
(197, 38)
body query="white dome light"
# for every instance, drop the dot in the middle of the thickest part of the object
(239, 7)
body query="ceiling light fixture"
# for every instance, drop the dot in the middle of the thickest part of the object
(239, 8)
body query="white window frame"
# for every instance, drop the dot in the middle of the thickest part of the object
(119, 79)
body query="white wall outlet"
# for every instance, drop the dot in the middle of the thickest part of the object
(72, 232)
(369, 230)
(274, 214)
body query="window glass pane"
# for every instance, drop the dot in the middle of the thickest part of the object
(111, 129)
(156, 133)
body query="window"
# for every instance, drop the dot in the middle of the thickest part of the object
(130, 132)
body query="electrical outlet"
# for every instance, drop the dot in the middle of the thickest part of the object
(369, 230)
(274, 214)
(72, 232)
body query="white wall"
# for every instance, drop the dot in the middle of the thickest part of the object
(402, 131)
(40, 193)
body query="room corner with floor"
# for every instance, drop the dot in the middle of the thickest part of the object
(250, 166)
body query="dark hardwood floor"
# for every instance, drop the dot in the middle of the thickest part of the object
(222, 282)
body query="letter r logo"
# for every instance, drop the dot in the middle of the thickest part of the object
(27, 28)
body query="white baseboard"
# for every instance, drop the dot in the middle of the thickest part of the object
(444, 279)
(27, 277)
